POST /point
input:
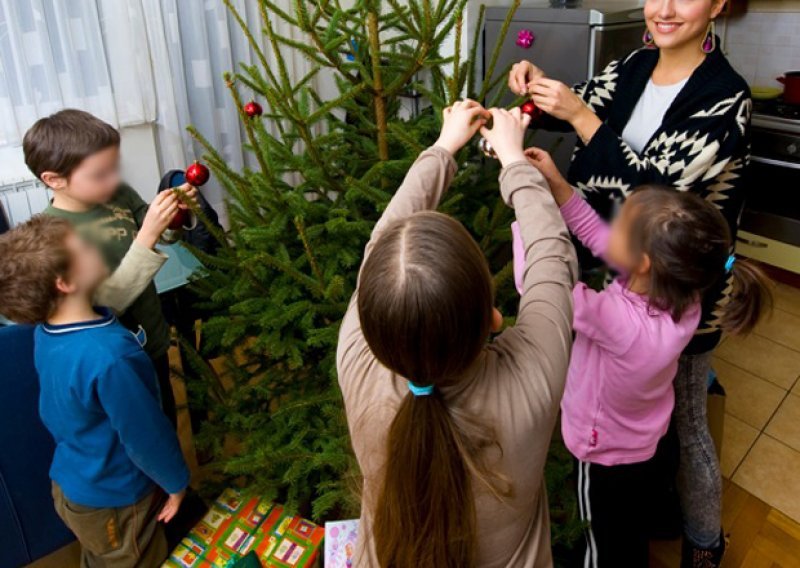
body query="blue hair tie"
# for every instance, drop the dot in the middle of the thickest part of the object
(729, 263)
(420, 390)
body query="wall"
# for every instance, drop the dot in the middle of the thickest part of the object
(764, 43)
(140, 166)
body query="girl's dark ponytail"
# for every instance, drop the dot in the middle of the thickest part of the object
(426, 515)
(750, 299)
(689, 244)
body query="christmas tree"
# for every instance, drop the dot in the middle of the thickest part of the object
(281, 281)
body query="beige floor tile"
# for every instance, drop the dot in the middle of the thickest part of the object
(782, 327)
(737, 439)
(787, 298)
(785, 425)
(750, 399)
(770, 472)
(763, 357)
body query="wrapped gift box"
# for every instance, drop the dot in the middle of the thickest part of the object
(340, 543)
(236, 525)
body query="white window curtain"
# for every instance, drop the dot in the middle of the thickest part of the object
(56, 54)
(132, 62)
(191, 45)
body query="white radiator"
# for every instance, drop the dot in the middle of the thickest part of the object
(24, 199)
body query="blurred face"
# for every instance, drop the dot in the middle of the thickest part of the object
(678, 23)
(619, 252)
(93, 182)
(88, 269)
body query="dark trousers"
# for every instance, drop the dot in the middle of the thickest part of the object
(121, 537)
(614, 502)
(165, 386)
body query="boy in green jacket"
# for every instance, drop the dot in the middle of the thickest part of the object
(77, 156)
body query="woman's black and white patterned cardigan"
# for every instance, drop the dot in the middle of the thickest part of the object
(701, 146)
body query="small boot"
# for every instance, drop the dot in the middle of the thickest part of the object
(694, 557)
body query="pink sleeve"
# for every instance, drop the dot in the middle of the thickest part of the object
(601, 316)
(586, 224)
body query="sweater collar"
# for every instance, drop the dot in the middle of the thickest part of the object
(634, 82)
(106, 318)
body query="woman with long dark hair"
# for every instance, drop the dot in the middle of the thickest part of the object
(673, 113)
(451, 430)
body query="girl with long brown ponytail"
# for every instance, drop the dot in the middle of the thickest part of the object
(451, 430)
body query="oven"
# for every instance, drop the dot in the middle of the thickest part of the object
(770, 225)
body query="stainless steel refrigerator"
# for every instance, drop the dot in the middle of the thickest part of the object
(570, 44)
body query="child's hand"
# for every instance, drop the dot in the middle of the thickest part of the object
(190, 192)
(159, 214)
(507, 133)
(542, 161)
(461, 122)
(171, 506)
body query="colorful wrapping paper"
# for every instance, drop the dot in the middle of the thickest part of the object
(235, 525)
(340, 543)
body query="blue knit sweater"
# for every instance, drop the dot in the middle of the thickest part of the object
(100, 400)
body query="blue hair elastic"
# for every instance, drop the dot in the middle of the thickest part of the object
(420, 390)
(729, 263)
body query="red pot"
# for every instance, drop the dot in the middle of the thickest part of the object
(791, 87)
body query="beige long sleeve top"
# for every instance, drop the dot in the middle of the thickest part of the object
(135, 272)
(515, 385)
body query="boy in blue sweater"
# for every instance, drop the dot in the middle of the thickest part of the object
(98, 389)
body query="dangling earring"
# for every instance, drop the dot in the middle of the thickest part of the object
(647, 39)
(710, 40)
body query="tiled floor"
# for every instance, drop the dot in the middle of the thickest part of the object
(758, 535)
(761, 443)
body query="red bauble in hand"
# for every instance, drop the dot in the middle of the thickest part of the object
(180, 219)
(530, 108)
(197, 174)
(253, 109)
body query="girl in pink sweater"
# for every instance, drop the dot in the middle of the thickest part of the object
(668, 247)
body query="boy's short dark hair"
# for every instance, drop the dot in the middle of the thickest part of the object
(34, 255)
(60, 142)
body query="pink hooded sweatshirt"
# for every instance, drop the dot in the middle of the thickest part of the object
(618, 397)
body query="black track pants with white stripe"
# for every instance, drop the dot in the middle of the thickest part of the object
(614, 503)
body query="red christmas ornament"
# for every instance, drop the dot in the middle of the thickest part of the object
(530, 108)
(253, 109)
(180, 219)
(197, 174)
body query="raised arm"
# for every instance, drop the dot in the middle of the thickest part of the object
(543, 331)
(141, 263)
(586, 224)
(422, 189)
(134, 273)
(550, 267)
(432, 172)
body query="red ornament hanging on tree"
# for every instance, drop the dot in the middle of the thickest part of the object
(253, 109)
(197, 174)
(530, 108)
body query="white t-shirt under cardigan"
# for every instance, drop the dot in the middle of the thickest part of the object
(648, 114)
